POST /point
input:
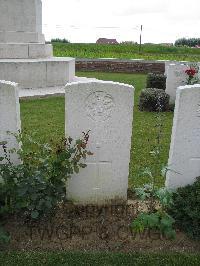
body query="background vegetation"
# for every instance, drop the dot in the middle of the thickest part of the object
(127, 51)
(191, 42)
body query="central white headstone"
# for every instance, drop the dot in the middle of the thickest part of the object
(106, 109)
(184, 157)
(10, 122)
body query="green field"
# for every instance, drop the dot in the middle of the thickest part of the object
(127, 51)
(46, 117)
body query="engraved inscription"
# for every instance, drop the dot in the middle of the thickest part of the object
(99, 106)
(102, 169)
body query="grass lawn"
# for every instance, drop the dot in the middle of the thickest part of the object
(78, 258)
(46, 118)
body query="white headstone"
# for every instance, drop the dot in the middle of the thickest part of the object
(184, 157)
(176, 77)
(105, 108)
(9, 117)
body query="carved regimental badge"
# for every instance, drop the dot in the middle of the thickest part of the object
(99, 106)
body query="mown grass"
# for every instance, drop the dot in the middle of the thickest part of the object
(80, 258)
(46, 116)
(121, 51)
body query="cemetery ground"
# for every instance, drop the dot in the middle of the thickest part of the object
(88, 229)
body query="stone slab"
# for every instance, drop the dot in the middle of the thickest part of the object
(9, 118)
(184, 157)
(38, 73)
(40, 50)
(25, 51)
(105, 108)
(20, 16)
(21, 37)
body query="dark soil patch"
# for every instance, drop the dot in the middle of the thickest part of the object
(92, 228)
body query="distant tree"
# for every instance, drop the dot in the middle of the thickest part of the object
(128, 42)
(60, 40)
(191, 42)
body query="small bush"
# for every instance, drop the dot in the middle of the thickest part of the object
(152, 99)
(157, 81)
(186, 209)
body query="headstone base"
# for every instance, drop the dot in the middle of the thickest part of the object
(38, 73)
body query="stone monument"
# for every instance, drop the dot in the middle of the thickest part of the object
(105, 108)
(24, 56)
(184, 157)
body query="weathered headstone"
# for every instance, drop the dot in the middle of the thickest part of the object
(9, 118)
(176, 77)
(105, 108)
(184, 157)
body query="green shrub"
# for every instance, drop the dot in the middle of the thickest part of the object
(157, 81)
(186, 209)
(36, 186)
(152, 99)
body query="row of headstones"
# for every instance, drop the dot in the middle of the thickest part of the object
(184, 156)
(106, 108)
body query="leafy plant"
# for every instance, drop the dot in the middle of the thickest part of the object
(37, 185)
(192, 74)
(157, 199)
(158, 220)
(4, 236)
(157, 81)
(149, 99)
(186, 209)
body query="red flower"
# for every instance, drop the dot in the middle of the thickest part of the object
(190, 72)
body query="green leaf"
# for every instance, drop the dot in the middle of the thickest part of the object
(153, 220)
(137, 225)
(34, 214)
(3, 142)
(76, 169)
(82, 165)
(167, 221)
(4, 236)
